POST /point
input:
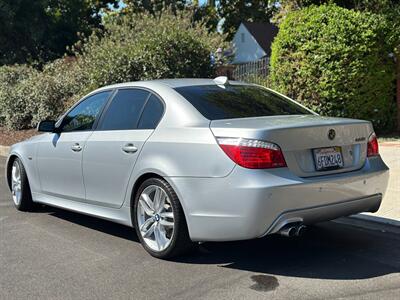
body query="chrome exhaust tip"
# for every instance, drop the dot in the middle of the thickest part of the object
(300, 230)
(292, 230)
(289, 231)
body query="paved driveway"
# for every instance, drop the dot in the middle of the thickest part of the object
(390, 208)
(54, 254)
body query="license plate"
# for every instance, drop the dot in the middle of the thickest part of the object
(328, 158)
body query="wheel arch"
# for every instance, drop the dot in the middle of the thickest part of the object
(142, 178)
(152, 174)
(10, 161)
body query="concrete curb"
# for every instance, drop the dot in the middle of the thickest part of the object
(4, 150)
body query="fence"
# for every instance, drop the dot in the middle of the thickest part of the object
(253, 72)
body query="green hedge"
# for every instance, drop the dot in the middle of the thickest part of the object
(134, 47)
(13, 94)
(336, 61)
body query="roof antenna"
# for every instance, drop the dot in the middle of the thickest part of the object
(221, 80)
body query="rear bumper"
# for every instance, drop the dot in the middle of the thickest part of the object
(326, 212)
(252, 203)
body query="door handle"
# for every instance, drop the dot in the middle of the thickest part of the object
(129, 148)
(76, 147)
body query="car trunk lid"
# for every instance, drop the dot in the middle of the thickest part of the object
(299, 135)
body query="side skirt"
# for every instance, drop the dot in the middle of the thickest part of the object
(120, 215)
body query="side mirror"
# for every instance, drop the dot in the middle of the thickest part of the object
(46, 126)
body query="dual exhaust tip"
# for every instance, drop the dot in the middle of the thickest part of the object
(292, 230)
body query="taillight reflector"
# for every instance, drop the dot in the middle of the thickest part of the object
(252, 154)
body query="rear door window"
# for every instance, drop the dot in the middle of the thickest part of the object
(124, 110)
(152, 113)
(238, 101)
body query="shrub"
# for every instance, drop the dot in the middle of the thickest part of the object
(13, 105)
(336, 62)
(59, 83)
(28, 95)
(141, 47)
(134, 47)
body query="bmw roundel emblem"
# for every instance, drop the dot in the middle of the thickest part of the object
(331, 134)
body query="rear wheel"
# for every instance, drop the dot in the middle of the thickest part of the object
(21, 192)
(159, 220)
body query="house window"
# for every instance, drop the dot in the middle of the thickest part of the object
(242, 37)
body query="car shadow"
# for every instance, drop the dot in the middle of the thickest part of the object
(94, 223)
(326, 251)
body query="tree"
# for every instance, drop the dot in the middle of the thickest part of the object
(337, 62)
(374, 6)
(233, 12)
(41, 30)
(205, 14)
(154, 7)
(130, 48)
(388, 11)
(393, 39)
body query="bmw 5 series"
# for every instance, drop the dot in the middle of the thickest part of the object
(194, 160)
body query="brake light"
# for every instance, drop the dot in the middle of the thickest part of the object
(252, 154)
(373, 148)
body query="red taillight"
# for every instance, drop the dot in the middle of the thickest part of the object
(373, 148)
(252, 154)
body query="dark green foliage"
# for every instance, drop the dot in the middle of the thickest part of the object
(154, 7)
(336, 61)
(134, 47)
(40, 30)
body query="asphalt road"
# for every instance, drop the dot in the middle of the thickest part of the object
(55, 254)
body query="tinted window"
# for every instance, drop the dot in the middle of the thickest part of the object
(238, 101)
(83, 116)
(152, 113)
(124, 110)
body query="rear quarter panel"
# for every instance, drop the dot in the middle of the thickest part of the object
(187, 152)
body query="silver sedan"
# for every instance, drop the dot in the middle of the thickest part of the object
(192, 160)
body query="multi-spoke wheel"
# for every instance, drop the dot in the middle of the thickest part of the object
(21, 192)
(155, 217)
(16, 184)
(159, 219)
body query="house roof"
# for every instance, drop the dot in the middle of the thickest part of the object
(264, 33)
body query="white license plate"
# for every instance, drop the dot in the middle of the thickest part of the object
(328, 158)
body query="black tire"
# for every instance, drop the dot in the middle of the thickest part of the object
(180, 241)
(25, 203)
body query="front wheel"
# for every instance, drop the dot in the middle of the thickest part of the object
(159, 220)
(20, 189)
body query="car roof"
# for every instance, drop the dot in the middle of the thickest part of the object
(172, 83)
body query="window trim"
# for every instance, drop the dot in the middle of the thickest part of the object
(151, 92)
(60, 122)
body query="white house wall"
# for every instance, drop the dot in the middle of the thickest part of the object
(248, 51)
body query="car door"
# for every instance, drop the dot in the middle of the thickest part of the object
(112, 150)
(59, 155)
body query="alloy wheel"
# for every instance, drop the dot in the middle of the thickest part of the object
(155, 218)
(16, 183)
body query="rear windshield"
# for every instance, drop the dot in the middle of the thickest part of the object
(238, 101)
